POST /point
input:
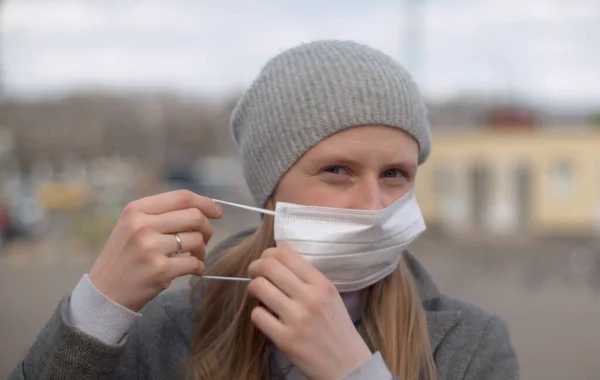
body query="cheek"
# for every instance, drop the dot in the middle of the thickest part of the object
(309, 191)
(392, 195)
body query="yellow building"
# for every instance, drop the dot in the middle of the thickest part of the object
(541, 182)
(63, 196)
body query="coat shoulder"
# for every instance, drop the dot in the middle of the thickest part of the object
(478, 346)
(472, 316)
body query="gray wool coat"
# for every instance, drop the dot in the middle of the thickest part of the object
(468, 343)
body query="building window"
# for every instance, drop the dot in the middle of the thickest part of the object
(563, 179)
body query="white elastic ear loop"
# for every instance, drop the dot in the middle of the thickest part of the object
(257, 209)
(251, 208)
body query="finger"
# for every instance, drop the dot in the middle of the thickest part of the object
(190, 219)
(177, 200)
(192, 242)
(269, 325)
(278, 274)
(185, 265)
(271, 297)
(296, 263)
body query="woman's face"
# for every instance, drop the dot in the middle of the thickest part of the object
(366, 168)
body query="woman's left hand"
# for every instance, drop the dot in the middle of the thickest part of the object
(311, 325)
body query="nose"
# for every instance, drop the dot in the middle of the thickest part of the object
(371, 196)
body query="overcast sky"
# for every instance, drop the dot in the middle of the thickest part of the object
(544, 50)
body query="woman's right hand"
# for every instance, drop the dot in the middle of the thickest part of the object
(136, 264)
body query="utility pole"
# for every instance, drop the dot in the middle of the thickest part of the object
(1, 56)
(413, 42)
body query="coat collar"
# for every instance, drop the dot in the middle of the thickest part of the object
(440, 320)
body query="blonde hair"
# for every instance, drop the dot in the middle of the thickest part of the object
(228, 346)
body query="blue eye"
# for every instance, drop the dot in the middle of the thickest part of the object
(393, 173)
(336, 170)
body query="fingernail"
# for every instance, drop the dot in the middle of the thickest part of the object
(218, 208)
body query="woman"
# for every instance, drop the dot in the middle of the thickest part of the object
(333, 294)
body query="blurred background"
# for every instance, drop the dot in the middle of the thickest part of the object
(105, 101)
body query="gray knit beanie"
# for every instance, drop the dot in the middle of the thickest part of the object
(312, 91)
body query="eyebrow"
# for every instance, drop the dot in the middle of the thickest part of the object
(334, 158)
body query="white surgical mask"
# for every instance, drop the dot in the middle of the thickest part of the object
(352, 248)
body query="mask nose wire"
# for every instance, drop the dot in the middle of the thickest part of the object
(251, 208)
